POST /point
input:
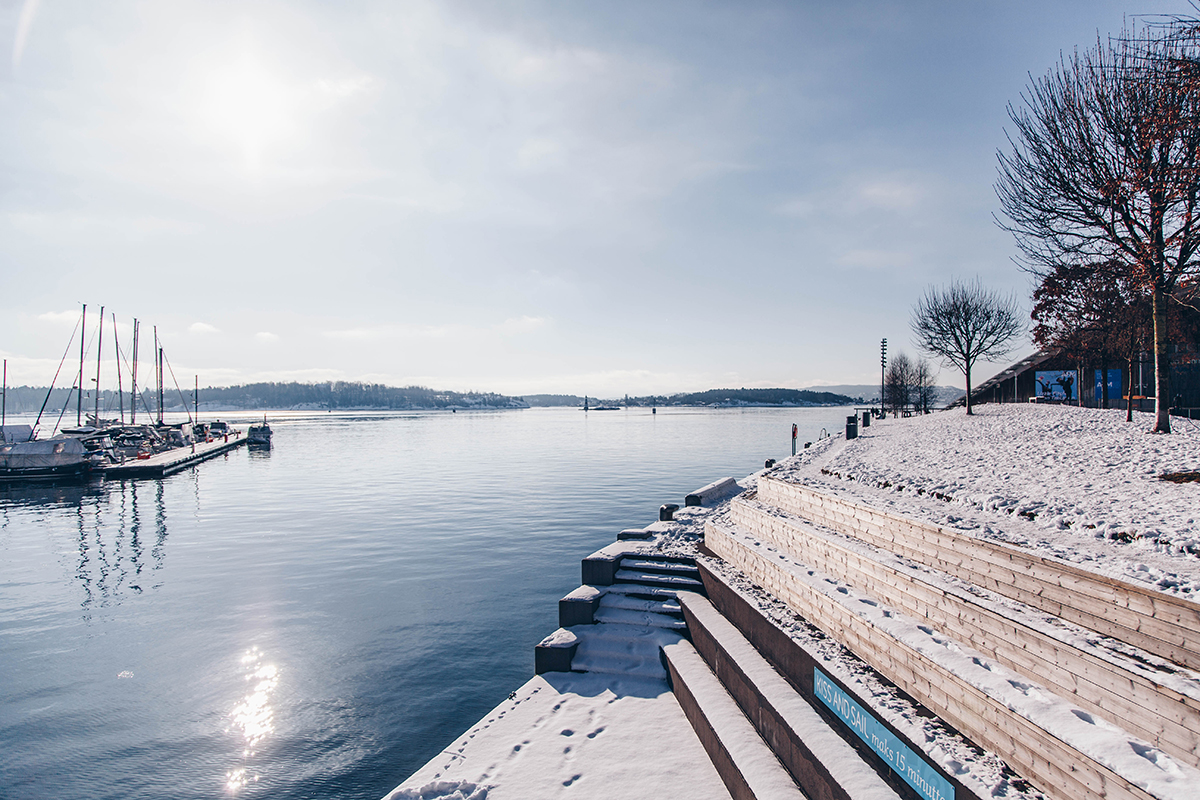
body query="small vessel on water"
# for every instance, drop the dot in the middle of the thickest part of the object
(259, 435)
(44, 459)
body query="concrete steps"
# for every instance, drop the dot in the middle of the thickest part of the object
(1076, 719)
(813, 754)
(639, 625)
(1125, 688)
(743, 760)
(1165, 625)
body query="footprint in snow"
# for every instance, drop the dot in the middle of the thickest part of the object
(571, 780)
(596, 732)
(567, 732)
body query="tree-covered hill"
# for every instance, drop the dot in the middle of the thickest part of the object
(351, 394)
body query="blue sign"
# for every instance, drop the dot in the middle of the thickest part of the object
(1116, 389)
(897, 755)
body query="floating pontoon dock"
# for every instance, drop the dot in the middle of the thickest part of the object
(162, 464)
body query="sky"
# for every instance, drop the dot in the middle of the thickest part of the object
(520, 197)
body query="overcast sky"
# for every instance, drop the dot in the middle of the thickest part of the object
(601, 198)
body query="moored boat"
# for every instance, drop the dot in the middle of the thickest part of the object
(259, 435)
(44, 459)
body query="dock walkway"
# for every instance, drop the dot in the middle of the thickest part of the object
(162, 464)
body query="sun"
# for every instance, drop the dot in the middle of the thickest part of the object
(248, 107)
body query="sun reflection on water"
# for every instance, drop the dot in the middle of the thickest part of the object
(252, 718)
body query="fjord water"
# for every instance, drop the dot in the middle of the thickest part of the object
(321, 619)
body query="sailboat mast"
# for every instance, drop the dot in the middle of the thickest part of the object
(196, 399)
(99, 353)
(133, 398)
(117, 358)
(158, 373)
(79, 397)
(4, 402)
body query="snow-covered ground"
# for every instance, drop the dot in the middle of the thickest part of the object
(578, 735)
(1079, 484)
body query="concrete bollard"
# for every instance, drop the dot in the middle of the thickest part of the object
(579, 607)
(711, 492)
(554, 653)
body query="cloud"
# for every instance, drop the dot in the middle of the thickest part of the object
(875, 259)
(266, 336)
(202, 328)
(59, 317)
(24, 25)
(385, 332)
(346, 87)
(891, 195)
(522, 324)
(796, 207)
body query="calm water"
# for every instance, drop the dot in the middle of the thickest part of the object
(320, 620)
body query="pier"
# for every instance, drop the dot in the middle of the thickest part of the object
(161, 465)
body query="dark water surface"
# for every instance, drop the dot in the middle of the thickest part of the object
(320, 620)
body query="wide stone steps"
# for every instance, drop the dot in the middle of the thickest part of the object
(1060, 747)
(743, 760)
(1162, 624)
(1126, 688)
(812, 753)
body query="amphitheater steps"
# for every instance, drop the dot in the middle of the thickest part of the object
(1062, 750)
(1158, 623)
(1125, 688)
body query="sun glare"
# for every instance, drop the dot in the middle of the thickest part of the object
(249, 107)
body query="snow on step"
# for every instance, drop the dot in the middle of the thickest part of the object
(829, 749)
(625, 601)
(652, 578)
(635, 617)
(659, 593)
(651, 565)
(616, 665)
(621, 649)
(753, 761)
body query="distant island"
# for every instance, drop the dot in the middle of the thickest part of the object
(722, 398)
(270, 395)
(348, 395)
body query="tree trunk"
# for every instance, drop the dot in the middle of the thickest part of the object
(1104, 383)
(1162, 370)
(1129, 392)
(967, 375)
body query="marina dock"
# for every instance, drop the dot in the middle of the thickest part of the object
(162, 464)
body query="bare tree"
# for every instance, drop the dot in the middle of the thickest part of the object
(898, 383)
(1105, 169)
(924, 385)
(964, 322)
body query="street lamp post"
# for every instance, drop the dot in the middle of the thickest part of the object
(882, 373)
